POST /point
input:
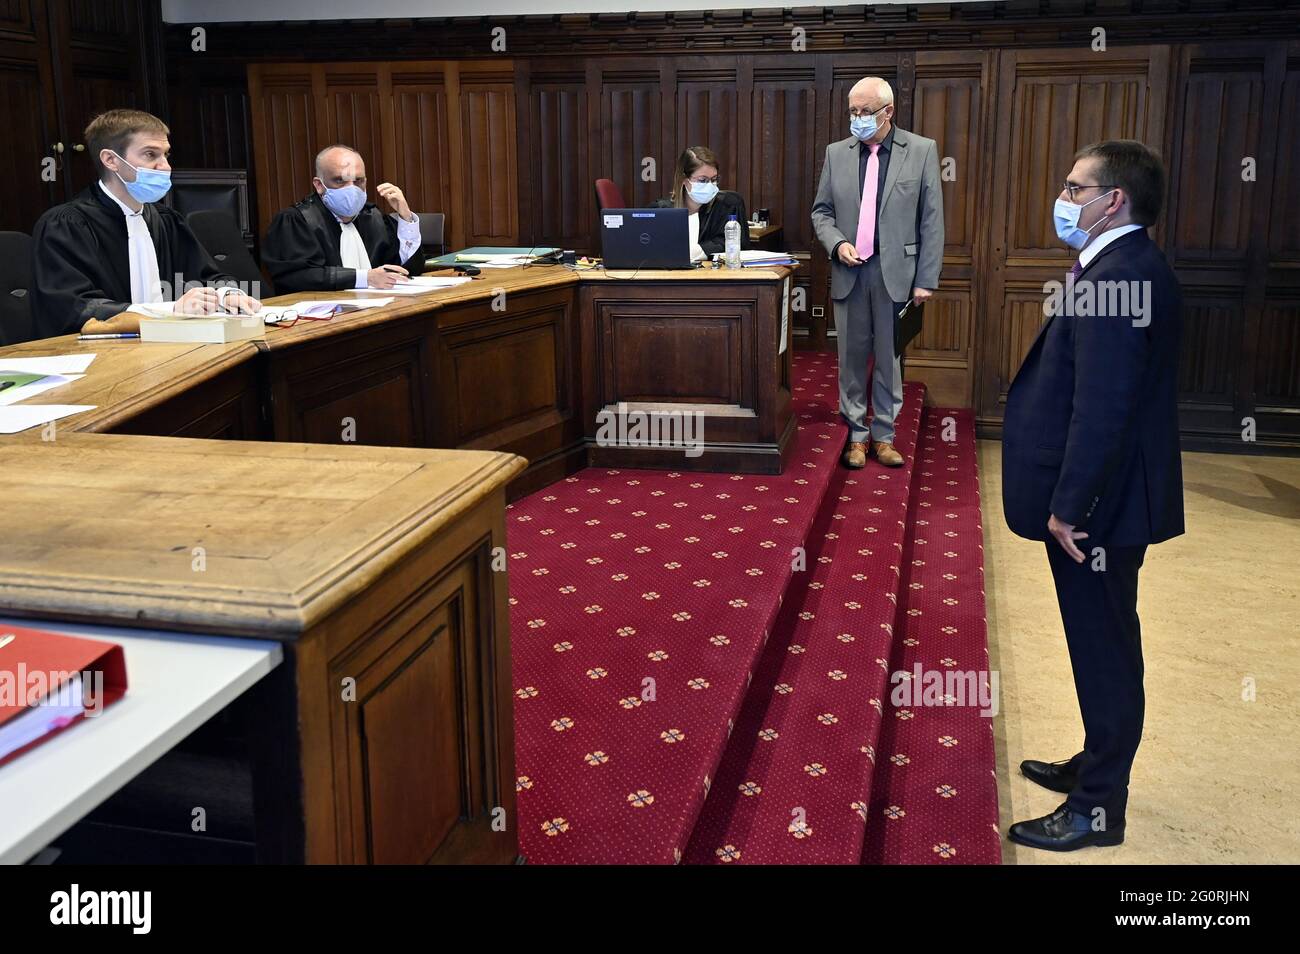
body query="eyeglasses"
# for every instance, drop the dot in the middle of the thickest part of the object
(856, 113)
(291, 318)
(705, 181)
(1069, 189)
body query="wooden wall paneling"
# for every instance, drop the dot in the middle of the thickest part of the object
(28, 110)
(420, 159)
(283, 103)
(950, 104)
(557, 175)
(1277, 368)
(1223, 108)
(811, 331)
(523, 148)
(97, 66)
(1049, 104)
(628, 127)
(782, 149)
(783, 158)
(488, 151)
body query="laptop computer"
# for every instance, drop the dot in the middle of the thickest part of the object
(645, 238)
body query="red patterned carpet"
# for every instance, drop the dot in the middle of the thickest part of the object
(640, 605)
(794, 785)
(640, 601)
(935, 799)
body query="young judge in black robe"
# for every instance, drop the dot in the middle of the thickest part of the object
(83, 258)
(335, 240)
(695, 188)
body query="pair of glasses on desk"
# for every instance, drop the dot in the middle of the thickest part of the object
(292, 317)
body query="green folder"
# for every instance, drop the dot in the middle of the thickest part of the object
(466, 255)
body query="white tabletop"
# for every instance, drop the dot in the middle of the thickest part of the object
(175, 683)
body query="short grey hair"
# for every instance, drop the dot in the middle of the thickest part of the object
(882, 87)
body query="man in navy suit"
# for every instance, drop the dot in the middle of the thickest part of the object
(1090, 462)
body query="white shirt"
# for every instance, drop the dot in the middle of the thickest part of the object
(143, 257)
(1093, 248)
(352, 250)
(697, 253)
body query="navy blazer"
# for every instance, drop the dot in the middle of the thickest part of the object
(1091, 426)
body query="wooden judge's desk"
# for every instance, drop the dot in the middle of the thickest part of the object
(339, 487)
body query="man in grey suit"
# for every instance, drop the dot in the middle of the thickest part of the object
(879, 260)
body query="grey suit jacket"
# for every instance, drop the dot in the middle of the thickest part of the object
(911, 214)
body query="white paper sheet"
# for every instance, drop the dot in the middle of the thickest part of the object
(419, 285)
(19, 417)
(14, 395)
(55, 364)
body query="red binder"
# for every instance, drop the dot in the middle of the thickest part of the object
(49, 682)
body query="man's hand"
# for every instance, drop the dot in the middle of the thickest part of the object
(385, 276)
(197, 301)
(237, 303)
(394, 197)
(921, 295)
(848, 254)
(1065, 535)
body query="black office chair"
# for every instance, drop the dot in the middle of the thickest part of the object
(15, 288)
(219, 234)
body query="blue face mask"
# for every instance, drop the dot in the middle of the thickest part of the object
(345, 202)
(1065, 216)
(704, 192)
(864, 127)
(150, 185)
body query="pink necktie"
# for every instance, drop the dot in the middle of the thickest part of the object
(867, 215)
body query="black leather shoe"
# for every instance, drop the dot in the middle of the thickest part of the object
(1057, 776)
(1064, 830)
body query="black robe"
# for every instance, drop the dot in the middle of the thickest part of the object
(714, 218)
(301, 250)
(81, 265)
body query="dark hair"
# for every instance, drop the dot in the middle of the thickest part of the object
(1134, 167)
(114, 129)
(691, 159)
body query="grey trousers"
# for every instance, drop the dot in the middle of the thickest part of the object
(864, 325)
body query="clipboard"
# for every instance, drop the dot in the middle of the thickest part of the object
(907, 325)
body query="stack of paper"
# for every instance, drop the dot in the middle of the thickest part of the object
(22, 378)
(759, 258)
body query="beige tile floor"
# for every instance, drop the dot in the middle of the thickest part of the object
(1217, 776)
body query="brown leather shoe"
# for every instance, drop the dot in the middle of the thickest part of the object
(855, 455)
(886, 454)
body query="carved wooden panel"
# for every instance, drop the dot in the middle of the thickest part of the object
(559, 174)
(421, 158)
(1284, 219)
(784, 160)
(1218, 129)
(631, 132)
(1277, 374)
(24, 148)
(284, 136)
(489, 155)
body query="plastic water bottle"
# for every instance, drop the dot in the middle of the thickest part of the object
(731, 232)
